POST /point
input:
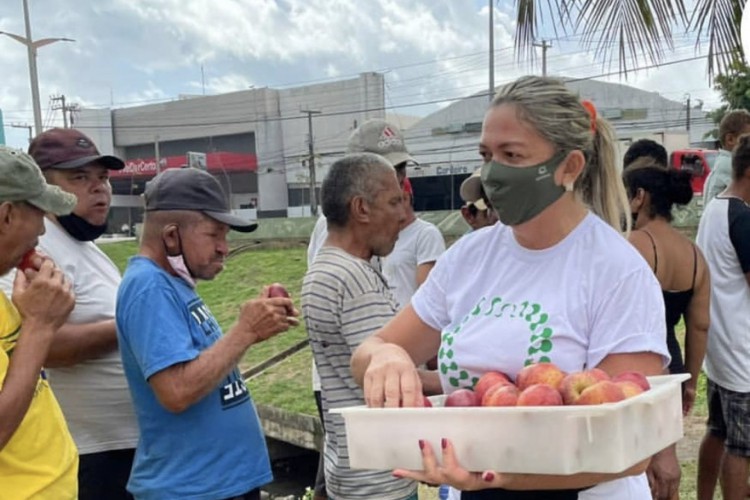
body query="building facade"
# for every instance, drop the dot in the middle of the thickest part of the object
(255, 142)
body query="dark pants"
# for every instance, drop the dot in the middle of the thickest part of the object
(320, 476)
(500, 494)
(250, 495)
(105, 475)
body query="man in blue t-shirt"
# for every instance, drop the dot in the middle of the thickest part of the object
(200, 434)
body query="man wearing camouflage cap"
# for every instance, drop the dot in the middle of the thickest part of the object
(38, 458)
(84, 361)
(476, 210)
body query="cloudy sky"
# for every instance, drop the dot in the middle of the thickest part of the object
(128, 52)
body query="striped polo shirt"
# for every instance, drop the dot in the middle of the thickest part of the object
(344, 301)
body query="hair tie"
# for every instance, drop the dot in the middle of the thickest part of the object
(591, 110)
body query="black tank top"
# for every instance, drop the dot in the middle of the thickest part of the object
(675, 306)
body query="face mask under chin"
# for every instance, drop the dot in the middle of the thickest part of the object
(79, 228)
(179, 265)
(519, 194)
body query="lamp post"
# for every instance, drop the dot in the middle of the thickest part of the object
(31, 48)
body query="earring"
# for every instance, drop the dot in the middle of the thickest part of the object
(569, 187)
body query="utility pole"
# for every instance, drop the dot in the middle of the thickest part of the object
(544, 45)
(61, 100)
(26, 126)
(492, 49)
(311, 161)
(31, 48)
(156, 153)
(687, 124)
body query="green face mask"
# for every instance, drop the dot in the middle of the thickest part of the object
(519, 194)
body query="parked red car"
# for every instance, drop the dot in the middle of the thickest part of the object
(698, 162)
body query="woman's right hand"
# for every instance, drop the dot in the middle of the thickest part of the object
(391, 379)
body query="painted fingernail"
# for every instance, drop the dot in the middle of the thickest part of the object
(488, 476)
(421, 444)
(444, 443)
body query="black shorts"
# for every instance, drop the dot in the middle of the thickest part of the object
(105, 475)
(729, 418)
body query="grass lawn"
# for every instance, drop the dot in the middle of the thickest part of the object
(287, 385)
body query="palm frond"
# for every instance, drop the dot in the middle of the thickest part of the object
(628, 31)
(719, 20)
(529, 15)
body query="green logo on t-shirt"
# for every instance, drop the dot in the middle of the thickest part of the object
(540, 341)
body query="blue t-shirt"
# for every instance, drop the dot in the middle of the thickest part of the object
(215, 449)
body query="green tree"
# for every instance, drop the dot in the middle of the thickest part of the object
(734, 88)
(635, 30)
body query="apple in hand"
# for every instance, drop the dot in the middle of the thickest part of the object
(540, 395)
(277, 290)
(575, 383)
(27, 261)
(461, 397)
(489, 380)
(604, 391)
(501, 395)
(540, 373)
(635, 377)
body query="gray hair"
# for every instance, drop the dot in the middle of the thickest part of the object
(557, 114)
(353, 175)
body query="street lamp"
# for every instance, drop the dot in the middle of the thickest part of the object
(31, 48)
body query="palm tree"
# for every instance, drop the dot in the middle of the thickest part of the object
(629, 30)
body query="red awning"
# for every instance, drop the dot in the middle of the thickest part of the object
(219, 162)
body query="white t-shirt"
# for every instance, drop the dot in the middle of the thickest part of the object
(500, 305)
(94, 394)
(418, 243)
(724, 239)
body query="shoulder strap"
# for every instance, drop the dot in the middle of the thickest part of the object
(695, 266)
(653, 244)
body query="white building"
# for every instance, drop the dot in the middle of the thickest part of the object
(255, 141)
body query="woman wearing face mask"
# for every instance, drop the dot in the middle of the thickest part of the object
(684, 278)
(555, 281)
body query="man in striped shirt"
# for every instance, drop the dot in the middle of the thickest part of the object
(345, 300)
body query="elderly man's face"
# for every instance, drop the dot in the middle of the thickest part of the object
(387, 215)
(204, 247)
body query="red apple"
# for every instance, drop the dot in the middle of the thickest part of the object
(462, 397)
(629, 388)
(575, 383)
(604, 391)
(488, 380)
(635, 377)
(277, 290)
(539, 373)
(28, 260)
(539, 395)
(501, 394)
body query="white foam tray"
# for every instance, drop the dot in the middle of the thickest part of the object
(541, 440)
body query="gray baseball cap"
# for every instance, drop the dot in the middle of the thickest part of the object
(382, 138)
(194, 190)
(22, 180)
